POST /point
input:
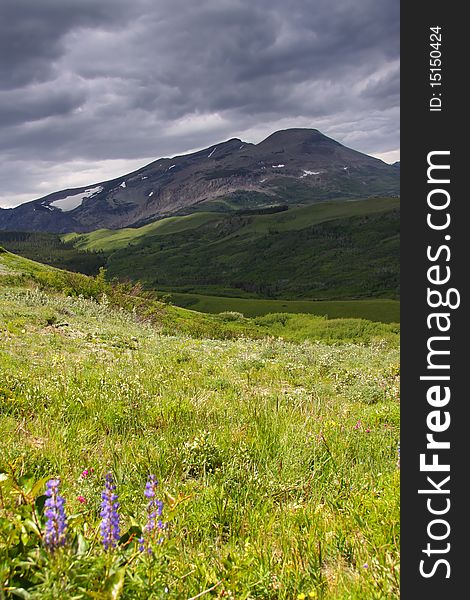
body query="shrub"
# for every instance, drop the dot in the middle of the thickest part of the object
(231, 315)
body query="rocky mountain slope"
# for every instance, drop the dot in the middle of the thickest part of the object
(293, 166)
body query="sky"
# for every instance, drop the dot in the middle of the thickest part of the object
(93, 89)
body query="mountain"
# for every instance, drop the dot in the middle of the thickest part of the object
(292, 166)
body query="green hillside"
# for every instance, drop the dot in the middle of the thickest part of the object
(50, 249)
(108, 240)
(276, 455)
(17, 271)
(333, 250)
(297, 218)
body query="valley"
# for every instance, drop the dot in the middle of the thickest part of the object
(336, 250)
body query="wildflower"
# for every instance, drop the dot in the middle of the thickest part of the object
(367, 430)
(86, 472)
(82, 499)
(365, 566)
(109, 514)
(357, 425)
(154, 513)
(398, 461)
(56, 520)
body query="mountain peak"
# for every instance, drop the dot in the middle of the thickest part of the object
(294, 131)
(290, 138)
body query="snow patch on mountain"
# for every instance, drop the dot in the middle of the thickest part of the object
(306, 173)
(74, 201)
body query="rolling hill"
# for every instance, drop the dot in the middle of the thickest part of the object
(332, 250)
(19, 273)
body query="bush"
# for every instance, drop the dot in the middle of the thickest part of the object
(231, 315)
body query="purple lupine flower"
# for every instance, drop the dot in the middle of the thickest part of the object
(109, 514)
(56, 520)
(154, 513)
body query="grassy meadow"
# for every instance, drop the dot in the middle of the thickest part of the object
(379, 309)
(274, 441)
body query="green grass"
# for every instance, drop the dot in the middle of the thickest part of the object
(50, 249)
(276, 461)
(386, 311)
(108, 240)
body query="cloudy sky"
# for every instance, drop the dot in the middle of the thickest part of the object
(92, 89)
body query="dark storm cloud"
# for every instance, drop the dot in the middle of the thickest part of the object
(83, 82)
(32, 32)
(16, 107)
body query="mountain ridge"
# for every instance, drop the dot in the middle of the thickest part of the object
(292, 166)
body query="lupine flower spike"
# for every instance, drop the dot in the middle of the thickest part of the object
(109, 514)
(154, 513)
(56, 520)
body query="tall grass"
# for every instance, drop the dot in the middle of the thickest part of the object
(276, 461)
